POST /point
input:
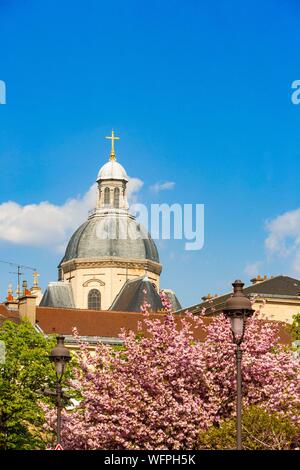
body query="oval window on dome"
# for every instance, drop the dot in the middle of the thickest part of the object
(94, 300)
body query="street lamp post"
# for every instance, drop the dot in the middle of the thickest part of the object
(60, 356)
(237, 309)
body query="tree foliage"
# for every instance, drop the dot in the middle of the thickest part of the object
(23, 376)
(261, 431)
(296, 327)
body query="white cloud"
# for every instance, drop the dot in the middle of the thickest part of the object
(46, 224)
(134, 185)
(284, 233)
(284, 237)
(157, 187)
(252, 269)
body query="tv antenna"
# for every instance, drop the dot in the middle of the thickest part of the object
(19, 273)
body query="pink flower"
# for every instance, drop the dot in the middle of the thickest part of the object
(161, 389)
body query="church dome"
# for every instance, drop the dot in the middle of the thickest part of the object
(112, 170)
(111, 236)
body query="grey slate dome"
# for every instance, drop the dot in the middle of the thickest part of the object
(111, 236)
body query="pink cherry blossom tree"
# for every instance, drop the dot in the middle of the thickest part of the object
(163, 387)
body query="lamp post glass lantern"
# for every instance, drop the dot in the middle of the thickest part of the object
(237, 309)
(237, 327)
(60, 356)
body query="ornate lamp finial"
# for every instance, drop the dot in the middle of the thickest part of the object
(35, 279)
(112, 138)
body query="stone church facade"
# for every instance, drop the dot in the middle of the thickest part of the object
(106, 251)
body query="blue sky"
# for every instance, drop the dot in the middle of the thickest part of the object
(200, 94)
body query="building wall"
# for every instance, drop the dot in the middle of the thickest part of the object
(108, 278)
(37, 292)
(278, 309)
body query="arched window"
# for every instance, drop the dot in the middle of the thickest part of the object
(106, 196)
(94, 300)
(117, 198)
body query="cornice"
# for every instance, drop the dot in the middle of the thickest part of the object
(111, 262)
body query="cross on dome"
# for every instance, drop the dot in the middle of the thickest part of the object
(35, 279)
(112, 138)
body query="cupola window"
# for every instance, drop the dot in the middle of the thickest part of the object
(117, 198)
(106, 196)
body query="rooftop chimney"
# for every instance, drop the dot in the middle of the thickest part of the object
(259, 278)
(11, 302)
(27, 305)
(209, 297)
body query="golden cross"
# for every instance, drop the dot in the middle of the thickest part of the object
(35, 279)
(112, 138)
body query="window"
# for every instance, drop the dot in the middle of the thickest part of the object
(117, 198)
(94, 300)
(106, 196)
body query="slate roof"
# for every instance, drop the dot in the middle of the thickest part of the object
(133, 294)
(58, 294)
(175, 304)
(278, 286)
(112, 235)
